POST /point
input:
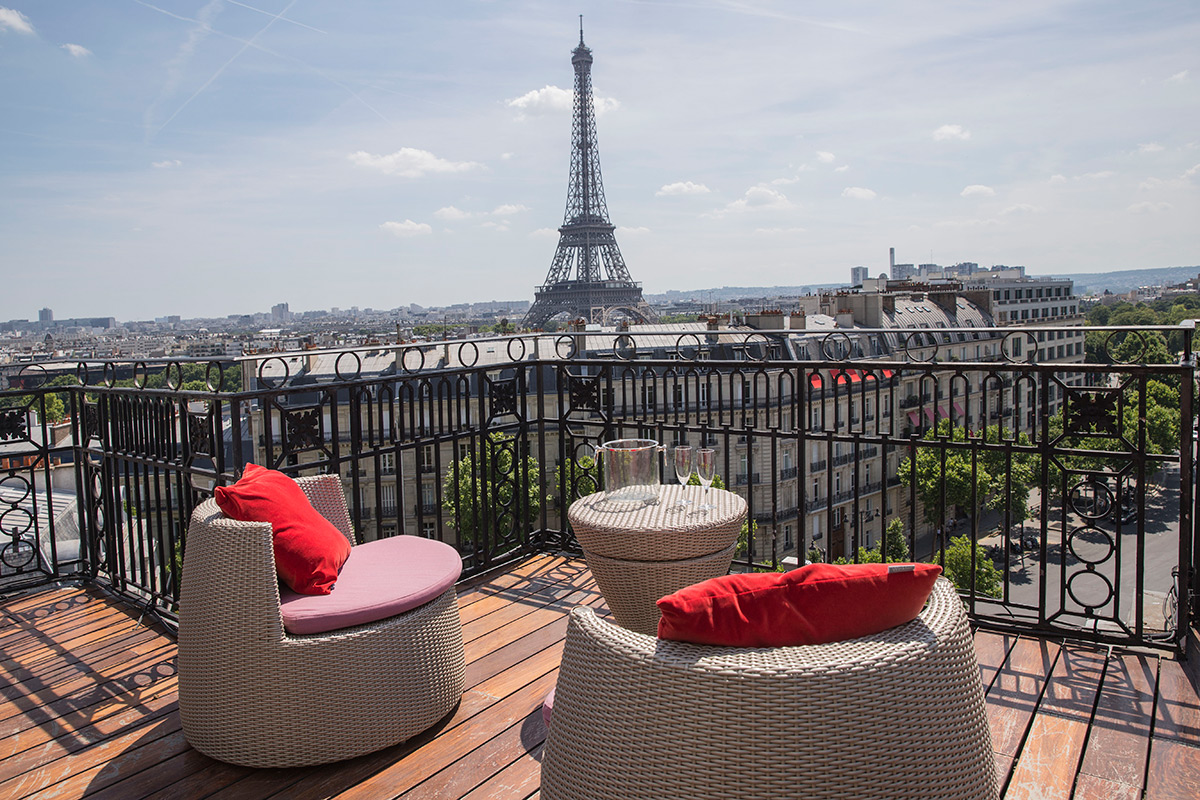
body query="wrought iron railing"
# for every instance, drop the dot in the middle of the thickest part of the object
(500, 434)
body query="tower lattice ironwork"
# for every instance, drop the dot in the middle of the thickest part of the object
(574, 285)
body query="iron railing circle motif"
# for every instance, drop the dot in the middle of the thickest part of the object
(832, 345)
(1091, 499)
(756, 338)
(509, 349)
(16, 521)
(914, 346)
(28, 370)
(1031, 353)
(209, 369)
(173, 382)
(20, 482)
(624, 344)
(18, 553)
(110, 374)
(266, 380)
(474, 354)
(1137, 353)
(1083, 537)
(337, 366)
(404, 359)
(570, 340)
(82, 373)
(140, 374)
(1079, 594)
(680, 352)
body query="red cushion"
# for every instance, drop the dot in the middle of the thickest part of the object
(814, 604)
(380, 579)
(309, 550)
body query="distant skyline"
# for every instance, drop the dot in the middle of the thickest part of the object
(212, 157)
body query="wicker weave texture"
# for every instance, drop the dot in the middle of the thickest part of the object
(641, 552)
(896, 715)
(659, 531)
(251, 694)
(632, 588)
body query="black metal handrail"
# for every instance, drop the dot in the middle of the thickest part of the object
(511, 437)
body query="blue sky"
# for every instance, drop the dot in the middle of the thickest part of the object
(211, 157)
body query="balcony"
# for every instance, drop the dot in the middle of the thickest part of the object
(104, 719)
(90, 697)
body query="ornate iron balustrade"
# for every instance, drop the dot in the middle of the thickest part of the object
(512, 434)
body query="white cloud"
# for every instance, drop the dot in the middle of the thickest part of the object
(499, 227)
(170, 163)
(508, 210)
(450, 213)
(1192, 172)
(951, 132)
(978, 190)
(77, 50)
(759, 198)
(553, 100)
(1058, 179)
(544, 233)
(409, 162)
(1150, 147)
(858, 193)
(826, 157)
(842, 168)
(681, 187)
(407, 228)
(1148, 208)
(1097, 176)
(773, 231)
(505, 156)
(1021, 208)
(632, 231)
(1178, 77)
(966, 223)
(13, 20)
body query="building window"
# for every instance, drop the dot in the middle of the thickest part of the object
(788, 544)
(464, 450)
(387, 464)
(388, 530)
(427, 458)
(428, 495)
(429, 530)
(387, 495)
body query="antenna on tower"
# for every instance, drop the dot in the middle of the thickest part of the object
(581, 28)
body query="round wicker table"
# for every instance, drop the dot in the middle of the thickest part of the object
(639, 552)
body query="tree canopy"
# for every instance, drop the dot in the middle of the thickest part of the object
(493, 492)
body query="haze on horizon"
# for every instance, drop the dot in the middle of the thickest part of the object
(210, 157)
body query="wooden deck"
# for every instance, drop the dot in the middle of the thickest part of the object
(89, 708)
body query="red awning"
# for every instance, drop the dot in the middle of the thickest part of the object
(958, 409)
(814, 381)
(913, 416)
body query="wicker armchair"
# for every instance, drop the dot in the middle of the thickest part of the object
(896, 715)
(252, 694)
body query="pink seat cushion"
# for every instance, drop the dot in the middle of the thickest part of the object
(379, 580)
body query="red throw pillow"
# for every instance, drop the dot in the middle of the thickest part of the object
(815, 604)
(309, 550)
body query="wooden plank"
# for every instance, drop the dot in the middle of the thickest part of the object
(1119, 740)
(91, 662)
(1177, 713)
(514, 782)
(991, 650)
(534, 571)
(1174, 771)
(1050, 758)
(484, 762)
(478, 627)
(85, 690)
(453, 744)
(103, 764)
(1090, 787)
(45, 743)
(1013, 696)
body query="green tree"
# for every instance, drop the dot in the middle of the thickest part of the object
(493, 491)
(894, 544)
(949, 473)
(578, 478)
(957, 567)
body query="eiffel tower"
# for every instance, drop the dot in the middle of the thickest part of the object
(586, 237)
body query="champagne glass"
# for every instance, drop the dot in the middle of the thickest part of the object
(706, 466)
(683, 470)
